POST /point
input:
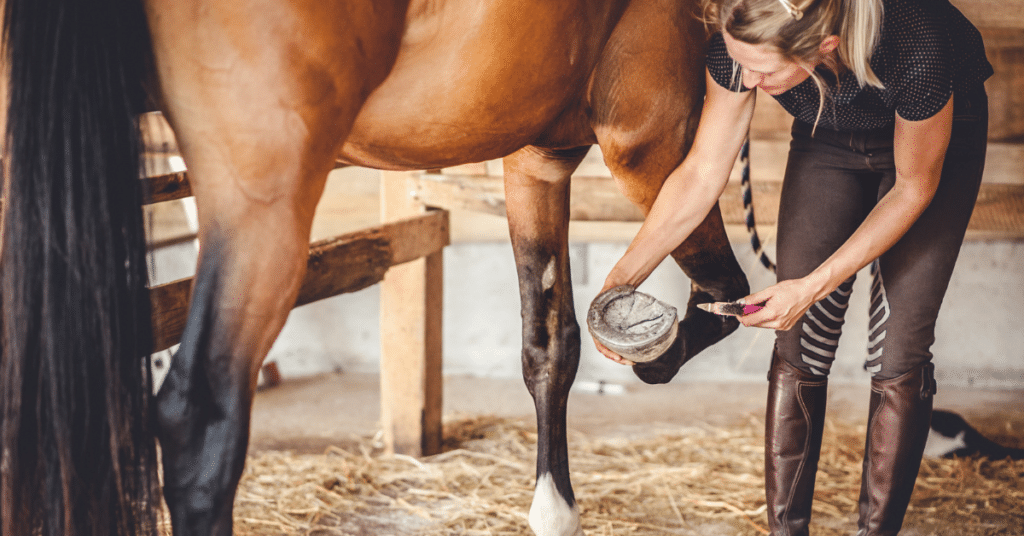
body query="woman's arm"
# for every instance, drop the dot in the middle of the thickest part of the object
(689, 192)
(919, 149)
(691, 189)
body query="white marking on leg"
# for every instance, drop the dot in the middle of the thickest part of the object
(550, 515)
(548, 279)
(940, 445)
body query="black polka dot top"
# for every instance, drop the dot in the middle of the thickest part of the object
(927, 50)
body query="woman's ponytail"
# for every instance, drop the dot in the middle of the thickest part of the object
(861, 29)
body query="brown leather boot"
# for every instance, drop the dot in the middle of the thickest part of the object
(792, 445)
(898, 423)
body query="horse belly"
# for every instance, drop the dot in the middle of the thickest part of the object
(478, 80)
(427, 133)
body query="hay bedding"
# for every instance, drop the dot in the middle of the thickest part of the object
(692, 481)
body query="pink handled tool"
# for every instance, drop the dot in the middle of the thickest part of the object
(730, 308)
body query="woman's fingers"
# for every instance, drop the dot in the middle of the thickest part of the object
(611, 355)
(784, 304)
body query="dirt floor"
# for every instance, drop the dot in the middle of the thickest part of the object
(675, 459)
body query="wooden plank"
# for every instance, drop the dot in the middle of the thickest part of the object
(768, 162)
(593, 198)
(167, 187)
(1005, 50)
(339, 265)
(170, 311)
(998, 212)
(457, 191)
(410, 332)
(358, 260)
(993, 13)
(1000, 207)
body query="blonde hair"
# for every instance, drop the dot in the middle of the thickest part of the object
(796, 29)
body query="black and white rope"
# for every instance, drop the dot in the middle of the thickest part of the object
(748, 206)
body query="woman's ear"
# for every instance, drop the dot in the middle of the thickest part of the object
(828, 44)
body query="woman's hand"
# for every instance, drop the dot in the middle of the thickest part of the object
(785, 303)
(611, 282)
(612, 355)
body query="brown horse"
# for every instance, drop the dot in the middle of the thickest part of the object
(264, 97)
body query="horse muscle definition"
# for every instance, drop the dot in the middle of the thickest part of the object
(264, 97)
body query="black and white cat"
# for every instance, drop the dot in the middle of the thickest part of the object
(951, 436)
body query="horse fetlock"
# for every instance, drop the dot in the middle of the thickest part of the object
(697, 330)
(721, 289)
(550, 513)
(667, 365)
(193, 518)
(173, 414)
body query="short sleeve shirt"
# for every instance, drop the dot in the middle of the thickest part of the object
(927, 51)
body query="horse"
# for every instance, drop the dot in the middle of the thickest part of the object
(265, 97)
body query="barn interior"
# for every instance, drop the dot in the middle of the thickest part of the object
(681, 458)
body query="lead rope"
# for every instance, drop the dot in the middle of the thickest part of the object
(748, 206)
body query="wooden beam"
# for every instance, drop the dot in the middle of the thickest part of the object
(410, 336)
(170, 311)
(167, 187)
(593, 198)
(358, 260)
(338, 265)
(460, 191)
(993, 13)
(998, 212)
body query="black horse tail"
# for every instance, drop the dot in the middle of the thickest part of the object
(78, 452)
(748, 207)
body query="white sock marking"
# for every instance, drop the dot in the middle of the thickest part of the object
(550, 515)
(939, 445)
(548, 279)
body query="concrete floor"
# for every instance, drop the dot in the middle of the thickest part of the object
(311, 413)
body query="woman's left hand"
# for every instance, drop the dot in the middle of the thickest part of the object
(784, 305)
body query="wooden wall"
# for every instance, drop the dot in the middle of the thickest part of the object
(1001, 23)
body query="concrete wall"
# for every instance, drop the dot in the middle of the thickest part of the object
(980, 340)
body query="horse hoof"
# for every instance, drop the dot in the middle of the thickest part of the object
(666, 366)
(632, 324)
(697, 331)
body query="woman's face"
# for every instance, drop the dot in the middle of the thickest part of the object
(764, 67)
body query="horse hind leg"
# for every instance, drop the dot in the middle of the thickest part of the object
(251, 265)
(537, 197)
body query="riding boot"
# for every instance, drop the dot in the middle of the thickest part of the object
(792, 445)
(898, 425)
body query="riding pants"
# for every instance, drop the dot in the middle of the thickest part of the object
(832, 181)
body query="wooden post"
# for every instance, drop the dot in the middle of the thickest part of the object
(410, 333)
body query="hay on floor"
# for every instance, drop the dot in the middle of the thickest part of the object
(691, 481)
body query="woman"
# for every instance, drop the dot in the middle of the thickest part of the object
(881, 91)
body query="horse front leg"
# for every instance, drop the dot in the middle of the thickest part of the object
(252, 261)
(707, 259)
(537, 197)
(645, 117)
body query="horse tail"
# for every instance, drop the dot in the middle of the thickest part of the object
(78, 449)
(748, 207)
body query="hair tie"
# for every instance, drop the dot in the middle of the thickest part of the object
(791, 8)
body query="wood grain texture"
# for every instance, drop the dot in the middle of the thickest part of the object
(410, 330)
(339, 265)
